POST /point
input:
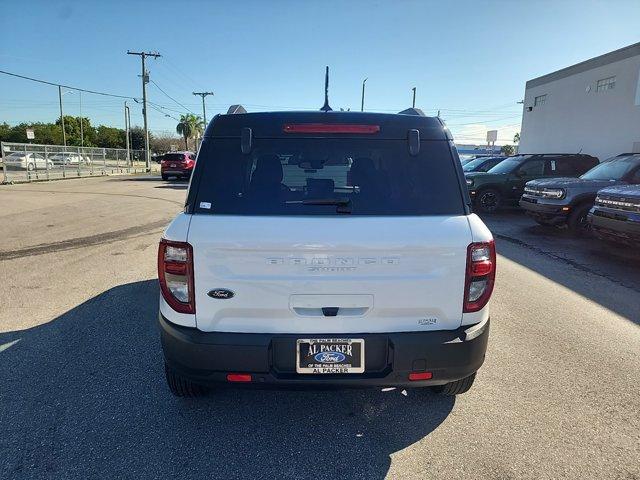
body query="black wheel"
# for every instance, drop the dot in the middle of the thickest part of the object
(488, 200)
(577, 220)
(181, 387)
(165, 177)
(456, 388)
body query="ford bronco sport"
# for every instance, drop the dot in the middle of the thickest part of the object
(325, 248)
(567, 201)
(504, 183)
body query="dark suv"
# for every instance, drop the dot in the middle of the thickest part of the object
(505, 182)
(567, 201)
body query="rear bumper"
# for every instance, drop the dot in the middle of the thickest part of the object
(176, 171)
(207, 357)
(551, 213)
(616, 226)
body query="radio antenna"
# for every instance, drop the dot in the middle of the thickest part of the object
(326, 107)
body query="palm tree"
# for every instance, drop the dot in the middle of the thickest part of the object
(190, 126)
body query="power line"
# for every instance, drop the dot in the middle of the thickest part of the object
(170, 97)
(65, 86)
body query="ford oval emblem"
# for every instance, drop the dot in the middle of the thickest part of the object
(329, 357)
(221, 293)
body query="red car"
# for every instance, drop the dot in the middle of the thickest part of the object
(177, 164)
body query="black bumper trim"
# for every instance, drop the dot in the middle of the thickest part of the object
(207, 357)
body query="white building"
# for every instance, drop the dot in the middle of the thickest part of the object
(592, 107)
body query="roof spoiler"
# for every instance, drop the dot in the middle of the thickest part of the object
(412, 111)
(236, 109)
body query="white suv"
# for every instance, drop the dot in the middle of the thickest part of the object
(325, 248)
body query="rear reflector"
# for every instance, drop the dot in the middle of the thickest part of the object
(420, 376)
(238, 377)
(330, 128)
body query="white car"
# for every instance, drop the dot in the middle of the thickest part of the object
(27, 161)
(325, 248)
(69, 158)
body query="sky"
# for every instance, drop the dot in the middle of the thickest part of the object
(467, 59)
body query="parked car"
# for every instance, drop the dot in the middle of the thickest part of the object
(177, 164)
(27, 161)
(616, 214)
(481, 164)
(321, 249)
(504, 183)
(567, 201)
(69, 158)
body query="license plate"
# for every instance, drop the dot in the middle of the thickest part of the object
(330, 355)
(173, 165)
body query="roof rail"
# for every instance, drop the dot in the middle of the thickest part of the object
(236, 109)
(412, 111)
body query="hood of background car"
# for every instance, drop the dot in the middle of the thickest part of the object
(483, 176)
(571, 183)
(621, 192)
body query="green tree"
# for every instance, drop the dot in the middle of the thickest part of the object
(190, 126)
(110, 137)
(508, 150)
(74, 134)
(137, 138)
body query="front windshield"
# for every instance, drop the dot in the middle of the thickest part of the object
(612, 170)
(472, 165)
(509, 164)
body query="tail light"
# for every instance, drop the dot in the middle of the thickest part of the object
(175, 272)
(480, 276)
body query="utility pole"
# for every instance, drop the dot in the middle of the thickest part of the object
(414, 97)
(126, 130)
(362, 102)
(204, 110)
(145, 80)
(64, 134)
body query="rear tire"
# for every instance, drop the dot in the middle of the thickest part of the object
(181, 387)
(577, 220)
(488, 200)
(165, 177)
(456, 388)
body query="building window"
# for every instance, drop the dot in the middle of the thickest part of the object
(540, 100)
(605, 84)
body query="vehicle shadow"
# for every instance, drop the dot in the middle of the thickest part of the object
(174, 185)
(583, 264)
(83, 396)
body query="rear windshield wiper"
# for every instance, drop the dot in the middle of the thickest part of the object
(343, 204)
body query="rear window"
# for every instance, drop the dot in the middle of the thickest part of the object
(305, 176)
(174, 157)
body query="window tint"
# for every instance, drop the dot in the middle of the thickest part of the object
(174, 156)
(532, 167)
(635, 178)
(295, 176)
(566, 166)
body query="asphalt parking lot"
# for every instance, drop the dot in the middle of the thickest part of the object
(82, 392)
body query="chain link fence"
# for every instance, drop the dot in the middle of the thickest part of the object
(25, 162)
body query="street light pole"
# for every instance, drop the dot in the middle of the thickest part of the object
(64, 134)
(414, 97)
(362, 102)
(126, 130)
(81, 121)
